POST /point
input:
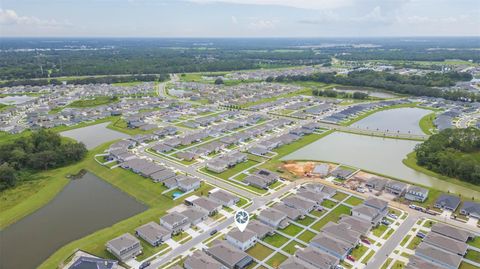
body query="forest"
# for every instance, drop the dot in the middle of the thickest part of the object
(452, 152)
(42, 150)
(402, 84)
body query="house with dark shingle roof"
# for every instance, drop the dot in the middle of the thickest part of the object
(316, 258)
(449, 202)
(200, 260)
(124, 247)
(437, 256)
(470, 209)
(229, 256)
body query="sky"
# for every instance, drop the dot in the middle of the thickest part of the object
(239, 18)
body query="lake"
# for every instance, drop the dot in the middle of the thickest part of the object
(85, 205)
(376, 154)
(404, 120)
(94, 135)
(15, 99)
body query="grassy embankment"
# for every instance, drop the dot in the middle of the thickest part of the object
(426, 123)
(143, 189)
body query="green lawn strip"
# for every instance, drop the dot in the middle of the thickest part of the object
(475, 242)
(306, 221)
(292, 247)
(388, 234)
(333, 215)
(406, 255)
(340, 196)
(405, 240)
(464, 265)
(318, 213)
(414, 243)
(292, 230)
(386, 263)
(275, 240)
(328, 203)
(429, 223)
(122, 126)
(353, 201)
(398, 264)
(473, 255)
(411, 161)
(426, 123)
(259, 251)
(181, 236)
(368, 256)
(276, 260)
(379, 230)
(306, 236)
(149, 250)
(358, 251)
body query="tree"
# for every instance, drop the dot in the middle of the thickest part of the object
(7, 176)
(219, 81)
(360, 95)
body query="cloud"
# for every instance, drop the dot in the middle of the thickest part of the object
(374, 16)
(303, 4)
(10, 17)
(234, 20)
(262, 24)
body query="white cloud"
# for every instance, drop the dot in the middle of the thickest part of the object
(262, 24)
(10, 17)
(304, 4)
(234, 20)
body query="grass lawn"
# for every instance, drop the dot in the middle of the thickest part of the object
(292, 230)
(234, 170)
(318, 213)
(275, 240)
(292, 247)
(276, 260)
(149, 250)
(429, 223)
(306, 221)
(465, 265)
(333, 215)
(386, 263)
(414, 243)
(379, 230)
(368, 257)
(328, 203)
(473, 255)
(405, 240)
(143, 189)
(306, 236)
(426, 123)
(475, 242)
(259, 251)
(97, 101)
(388, 234)
(353, 201)
(340, 196)
(358, 251)
(398, 265)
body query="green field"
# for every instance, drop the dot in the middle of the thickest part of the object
(353, 201)
(306, 236)
(473, 255)
(292, 230)
(291, 247)
(275, 240)
(333, 216)
(97, 101)
(259, 251)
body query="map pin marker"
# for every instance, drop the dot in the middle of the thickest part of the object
(241, 220)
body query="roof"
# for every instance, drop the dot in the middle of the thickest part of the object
(200, 260)
(194, 214)
(449, 201)
(450, 231)
(272, 215)
(206, 204)
(173, 218)
(222, 195)
(93, 263)
(332, 244)
(471, 208)
(446, 243)
(341, 231)
(291, 212)
(294, 263)
(241, 236)
(312, 196)
(376, 203)
(316, 258)
(152, 230)
(416, 262)
(124, 241)
(366, 210)
(259, 228)
(453, 260)
(297, 202)
(356, 224)
(417, 190)
(226, 253)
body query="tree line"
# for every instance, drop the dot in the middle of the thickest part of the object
(42, 150)
(335, 94)
(451, 153)
(402, 84)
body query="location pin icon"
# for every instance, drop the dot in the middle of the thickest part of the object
(241, 220)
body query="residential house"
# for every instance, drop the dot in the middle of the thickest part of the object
(260, 229)
(153, 233)
(417, 194)
(294, 263)
(124, 247)
(376, 183)
(241, 240)
(299, 203)
(87, 262)
(446, 243)
(470, 209)
(367, 213)
(396, 187)
(175, 222)
(195, 215)
(437, 256)
(320, 170)
(274, 218)
(187, 184)
(356, 224)
(216, 165)
(316, 258)
(256, 181)
(162, 175)
(335, 247)
(204, 203)
(342, 231)
(449, 202)
(292, 213)
(452, 232)
(223, 197)
(200, 260)
(229, 256)
(415, 262)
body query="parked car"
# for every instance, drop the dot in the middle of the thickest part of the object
(213, 232)
(386, 222)
(421, 235)
(413, 206)
(144, 265)
(366, 241)
(351, 258)
(393, 216)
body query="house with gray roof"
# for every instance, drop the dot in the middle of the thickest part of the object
(470, 209)
(356, 224)
(376, 183)
(312, 196)
(452, 232)
(396, 187)
(229, 256)
(88, 262)
(256, 181)
(367, 213)
(124, 247)
(274, 218)
(162, 148)
(162, 175)
(295, 263)
(446, 201)
(316, 258)
(437, 256)
(223, 197)
(415, 262)
(216, 165)
(206, 204)
(187, 183)
(260, 229)
(195, 215)
(376, 203)
(292, 213)
(417, 194)
(241, 240)
(320, 170)
(153, 233)
(446, 243)
(200, 260)
(175, 222)
(331, 245)
(299, 203)
(342, 231)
